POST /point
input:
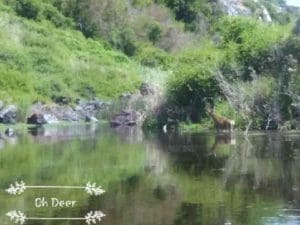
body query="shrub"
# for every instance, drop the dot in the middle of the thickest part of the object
(153, 57)
(154, 32)
(42, 61)
(250, 40)
(124, 40)
(185, 10)
(28, 8)
(52, 14)
(193, 87)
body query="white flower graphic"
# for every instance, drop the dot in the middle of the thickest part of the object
(17, 216)
(92, 189)
(17, 188)
(93, 217)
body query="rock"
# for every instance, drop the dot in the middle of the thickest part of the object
(67, 114)
(91, 119)
(36, 119)
(146, 89)
(8, 115)
(50, 119)
(40, 119)
(266, 17)
(9, 132)
(235, 8)
(126, 118)
(49, 114)
(89, 108)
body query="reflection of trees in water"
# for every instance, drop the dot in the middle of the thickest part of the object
(189, 213)
(196, 153)
(264, 163)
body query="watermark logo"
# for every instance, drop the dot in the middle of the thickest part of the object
(19, 217)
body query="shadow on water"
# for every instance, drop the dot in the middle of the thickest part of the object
(157, 179)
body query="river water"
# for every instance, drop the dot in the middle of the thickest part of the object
(153, 178)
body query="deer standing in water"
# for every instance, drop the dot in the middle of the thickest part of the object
(221, 123)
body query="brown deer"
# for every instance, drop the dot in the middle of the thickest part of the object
(221, 123)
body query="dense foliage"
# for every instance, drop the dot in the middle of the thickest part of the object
(39, 61)
(245, 66)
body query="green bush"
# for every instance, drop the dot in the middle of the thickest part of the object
(52, 14)
(153, 57)
(124, 40)
(193, 87)
(28, 8)
(248, 41)
(185, 10)
(39, 61)
(154, 32)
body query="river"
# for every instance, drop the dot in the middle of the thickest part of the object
(152, 178)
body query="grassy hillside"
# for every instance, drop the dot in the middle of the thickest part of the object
(246, 66)
(39, 61)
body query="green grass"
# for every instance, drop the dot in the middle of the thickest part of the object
(39, 61)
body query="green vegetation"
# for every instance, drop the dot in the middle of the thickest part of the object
(244, 75)
(39, 61)
(73, 48)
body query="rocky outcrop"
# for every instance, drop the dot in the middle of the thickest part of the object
(132, 109)
(8, 115)
(85, 111)
(9, 132)
(89, 109)
(146, 89)
(235, 8)
(42, 118)
(126, 118)
(91, 119)
(239, 8)
(48, 114)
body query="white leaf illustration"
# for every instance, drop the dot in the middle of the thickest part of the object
(16, 216)
(93, 217)
(92, 189)
(17, 188)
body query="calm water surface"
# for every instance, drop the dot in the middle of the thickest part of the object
(154, 179)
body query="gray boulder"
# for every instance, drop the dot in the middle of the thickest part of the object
(91, 119)
(146, 89)
(48, 114)
(40, 119)
(126, 118)
(8, 115)
(87, 110)
(9, 132)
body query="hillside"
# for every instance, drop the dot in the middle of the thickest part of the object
(240, 57)
(39, 61)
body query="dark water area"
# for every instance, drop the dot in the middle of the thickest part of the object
(153, 178)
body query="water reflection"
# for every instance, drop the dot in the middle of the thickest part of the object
(156, 178)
